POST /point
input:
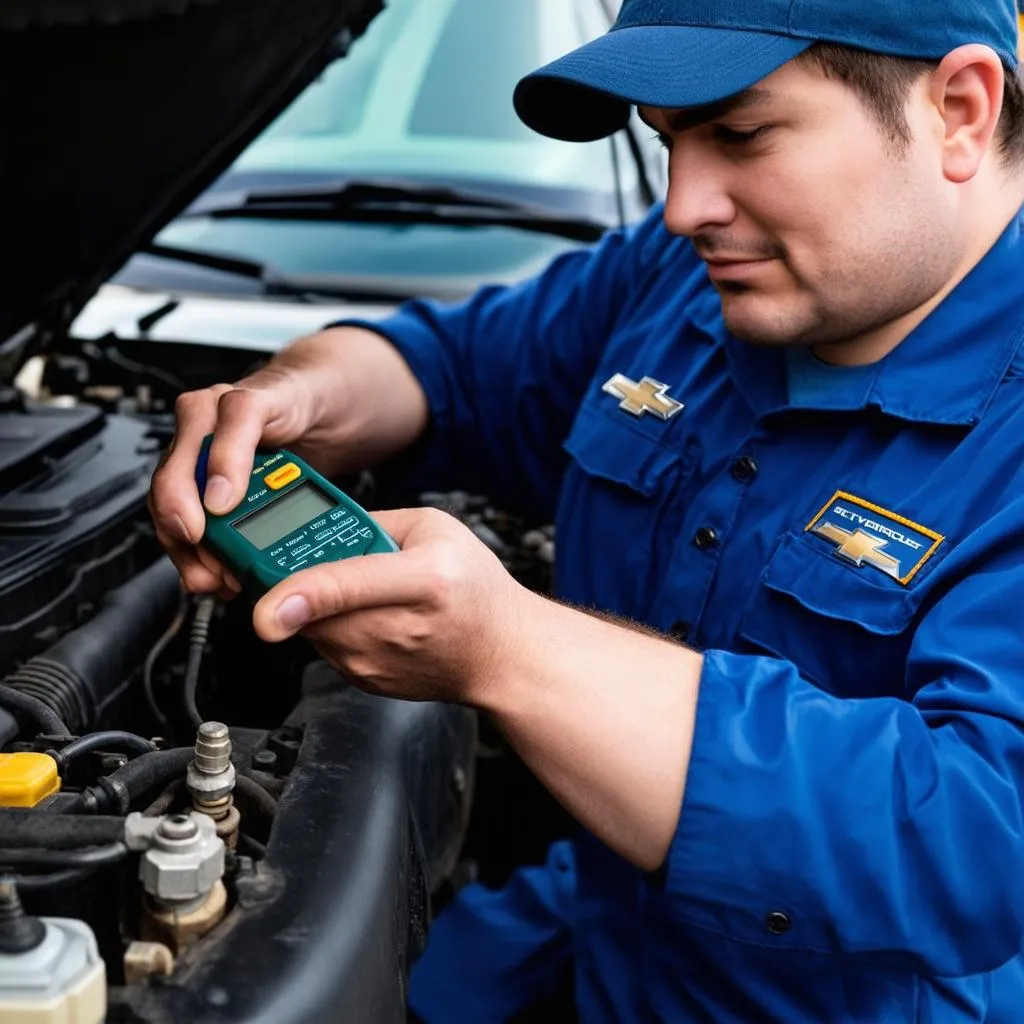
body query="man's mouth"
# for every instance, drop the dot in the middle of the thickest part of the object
(728, 268)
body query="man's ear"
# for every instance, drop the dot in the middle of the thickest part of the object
(967, 92)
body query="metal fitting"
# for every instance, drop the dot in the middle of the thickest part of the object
(211, 780)
(183, 857)
(211, 775)
(213, 747)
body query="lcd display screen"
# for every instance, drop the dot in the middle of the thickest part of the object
(283, 516)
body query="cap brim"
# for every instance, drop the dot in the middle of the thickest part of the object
(587, 94)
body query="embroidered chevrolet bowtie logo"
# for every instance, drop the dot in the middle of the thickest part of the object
(863, 533)
(647, 396)
(860, 548)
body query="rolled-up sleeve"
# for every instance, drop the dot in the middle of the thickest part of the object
(884, 828)
(504, 372)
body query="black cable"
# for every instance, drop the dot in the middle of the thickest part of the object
(24, 705)
(112, 355)
(89, 857)
(147, 670)
(197, 643)
(99, 740)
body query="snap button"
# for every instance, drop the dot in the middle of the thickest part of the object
(744, 469)
(705, 538)
(778, 923)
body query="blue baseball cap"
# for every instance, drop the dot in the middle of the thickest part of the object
(687, 53)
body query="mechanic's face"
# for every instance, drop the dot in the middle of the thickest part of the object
(814, 229)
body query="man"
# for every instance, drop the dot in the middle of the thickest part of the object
(783, 421)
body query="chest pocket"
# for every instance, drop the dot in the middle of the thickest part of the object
(621, 504)
(846, 630)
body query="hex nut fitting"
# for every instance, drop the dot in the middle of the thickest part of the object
(183, 856)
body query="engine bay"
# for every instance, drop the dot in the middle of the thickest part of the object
(271, 856)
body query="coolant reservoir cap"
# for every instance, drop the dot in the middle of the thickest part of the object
(61, 981)
(27, 779)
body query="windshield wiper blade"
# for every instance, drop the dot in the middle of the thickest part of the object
(396, 203)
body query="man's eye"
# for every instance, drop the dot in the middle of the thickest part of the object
(735, 138)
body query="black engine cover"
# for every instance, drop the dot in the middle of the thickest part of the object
(72, 481)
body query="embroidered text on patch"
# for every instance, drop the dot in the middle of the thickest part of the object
(869, 535)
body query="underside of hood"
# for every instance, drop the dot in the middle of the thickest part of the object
(117, 113)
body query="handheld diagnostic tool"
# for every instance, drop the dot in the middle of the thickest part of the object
(291, 518)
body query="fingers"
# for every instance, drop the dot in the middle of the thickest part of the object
(174, 498)
(236, 417)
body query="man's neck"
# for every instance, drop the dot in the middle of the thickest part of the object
(877, 344)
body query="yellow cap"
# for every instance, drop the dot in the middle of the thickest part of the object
(26, 779)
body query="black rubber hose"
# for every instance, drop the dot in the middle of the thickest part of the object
(53, 880)
(80, 670)
(28, 827)
(91, 857)
(112, 738)
(25, 707)
(254, 799)
(118, 792)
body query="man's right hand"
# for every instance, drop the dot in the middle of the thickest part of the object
(317, 398)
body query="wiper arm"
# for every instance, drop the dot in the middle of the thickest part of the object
(273, 282)
(396, 203)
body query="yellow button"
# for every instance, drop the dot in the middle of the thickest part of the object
(26, 779)
(285, 475)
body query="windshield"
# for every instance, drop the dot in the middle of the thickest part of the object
(427, 92)
(423, 97)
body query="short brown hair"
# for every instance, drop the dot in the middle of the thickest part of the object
(883, 84)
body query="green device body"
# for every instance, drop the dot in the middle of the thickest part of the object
(290, 519)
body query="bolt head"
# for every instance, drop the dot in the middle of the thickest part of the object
(213, 731)
(178, 826)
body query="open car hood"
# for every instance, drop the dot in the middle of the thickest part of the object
(117, 114)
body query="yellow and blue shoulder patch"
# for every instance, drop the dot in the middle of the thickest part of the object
(866, 534)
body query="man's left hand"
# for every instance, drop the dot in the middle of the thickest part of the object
(434, 621)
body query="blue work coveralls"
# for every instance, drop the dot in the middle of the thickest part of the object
(847, 549)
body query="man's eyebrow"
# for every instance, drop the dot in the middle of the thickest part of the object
(692, 117)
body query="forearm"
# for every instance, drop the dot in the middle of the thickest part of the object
(604, 716)
(367, 404)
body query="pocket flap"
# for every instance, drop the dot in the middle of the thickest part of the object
(823, 584)
(616, 450)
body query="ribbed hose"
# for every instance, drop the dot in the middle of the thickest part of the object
(27, 708)
(54, 685)
(78, 673)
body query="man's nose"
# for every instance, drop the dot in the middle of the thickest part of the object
(698, 196)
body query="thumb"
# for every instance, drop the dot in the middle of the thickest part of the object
(353, 584)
